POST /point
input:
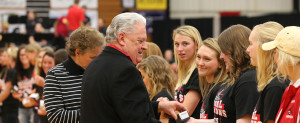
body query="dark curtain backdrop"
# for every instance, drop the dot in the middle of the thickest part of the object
(162, 30)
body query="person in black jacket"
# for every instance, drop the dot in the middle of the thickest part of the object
(113, 90)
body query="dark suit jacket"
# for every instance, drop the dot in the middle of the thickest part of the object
(113, 91)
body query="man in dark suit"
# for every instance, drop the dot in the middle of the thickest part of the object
(113, 90)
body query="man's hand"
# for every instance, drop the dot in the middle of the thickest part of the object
(169, 107)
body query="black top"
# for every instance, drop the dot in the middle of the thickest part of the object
(62, 92)
(207, 108)
(103, 30)
(163, 93)
(26, 73)
(113, 91)
(87, 19)
(269, 101)
(10, 104)
(26, 82)
(192, 84)
(30, 25)
(3, 71)
(233, 102)
(40, 89)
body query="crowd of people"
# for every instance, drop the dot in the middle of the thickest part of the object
(49, 31)
(241, 76)
(23, 71)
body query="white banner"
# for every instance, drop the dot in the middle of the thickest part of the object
(59, 4)
(12, 4)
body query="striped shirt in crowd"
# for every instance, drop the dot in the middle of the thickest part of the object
(62, 92)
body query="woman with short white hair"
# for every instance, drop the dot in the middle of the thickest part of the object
(287, 57)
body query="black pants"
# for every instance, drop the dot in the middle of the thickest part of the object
(10, 118)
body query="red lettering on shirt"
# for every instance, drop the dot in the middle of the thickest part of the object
(219, 108)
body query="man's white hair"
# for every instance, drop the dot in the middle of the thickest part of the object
(124, 22)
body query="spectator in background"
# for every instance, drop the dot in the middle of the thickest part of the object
(31, 22)
(101, 26)
(39, 58)
(33, 25)
(32, 51)
(87, 20)
(3, 58)
(4, 27)
(61, 26)
(47, 64)
(60, 56)
(152, 49)
(12, 56)
(23, 77)
(39, 28)
(61, 31)
(10, 105)
(39, 79)
(75, 16)
(168, 55)
(1, 67)
(4, 61)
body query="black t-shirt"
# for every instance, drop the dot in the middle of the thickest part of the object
(39, 89)
(87, 19)
(192, 84)
(30, 25)
(269, 101)
(235, 101)
(3, 72)
(103, 30)
(10, 104)
(163, 93)
(26, 83)
(207, 108)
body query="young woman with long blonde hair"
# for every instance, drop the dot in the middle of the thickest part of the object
(212, 73)
(267, 83)
(187, 41)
